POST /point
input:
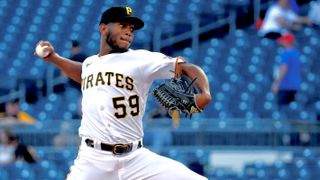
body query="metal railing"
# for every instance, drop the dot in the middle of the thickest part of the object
(20, 94)
(52, 80)
(197, 30)
(203, 133)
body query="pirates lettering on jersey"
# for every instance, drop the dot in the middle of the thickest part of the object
(107, 78)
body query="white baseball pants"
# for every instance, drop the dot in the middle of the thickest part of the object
(141, 164)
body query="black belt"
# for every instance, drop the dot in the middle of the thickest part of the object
(116, 149)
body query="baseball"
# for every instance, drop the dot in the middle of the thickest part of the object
(42, 51)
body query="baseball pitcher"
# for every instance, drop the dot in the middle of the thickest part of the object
(115, 85)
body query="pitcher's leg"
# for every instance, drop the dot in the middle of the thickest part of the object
(145, 164)
(92, 165)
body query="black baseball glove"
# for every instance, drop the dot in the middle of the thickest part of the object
(178, 94)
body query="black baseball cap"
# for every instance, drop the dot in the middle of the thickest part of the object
(121, 14)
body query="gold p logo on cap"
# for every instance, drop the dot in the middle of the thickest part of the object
(129, 10)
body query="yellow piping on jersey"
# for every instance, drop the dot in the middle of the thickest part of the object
(176, 75)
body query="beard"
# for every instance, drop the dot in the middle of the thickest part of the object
(113, 44)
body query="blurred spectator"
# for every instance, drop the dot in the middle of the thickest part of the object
(22, 152)
(6, 148)
(280, 19)
(66, 136)
(13, 115)
(77, 55)
(314, 12)
(76, 51)
(288, 79)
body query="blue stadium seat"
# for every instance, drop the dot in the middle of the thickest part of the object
(46, 170)
(4, 173)
(19, 170)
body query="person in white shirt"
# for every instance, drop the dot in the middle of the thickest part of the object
(314, 12)
(281, 19)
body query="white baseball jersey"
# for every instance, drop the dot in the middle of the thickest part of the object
(115, 89)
